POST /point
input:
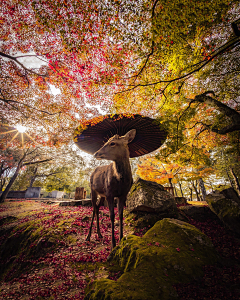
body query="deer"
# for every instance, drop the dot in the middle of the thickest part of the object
(112, 181)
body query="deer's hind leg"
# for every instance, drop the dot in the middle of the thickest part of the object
(94, 201)
(110, 201)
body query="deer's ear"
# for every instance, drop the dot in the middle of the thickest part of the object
(130, 135)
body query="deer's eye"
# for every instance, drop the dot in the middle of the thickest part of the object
(112, 144)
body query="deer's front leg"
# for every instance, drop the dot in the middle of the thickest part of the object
(90, 229)
(112, 216)
(121, 202)
(94, 200)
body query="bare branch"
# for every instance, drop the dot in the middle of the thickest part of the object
(36, 162)
(15, 59)
(234, 42)
(29, 106)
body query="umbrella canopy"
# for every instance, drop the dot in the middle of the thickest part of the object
(92, 135)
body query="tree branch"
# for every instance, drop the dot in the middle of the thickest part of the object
(36, 162)
(9, 101)
(15, 59)
(234, 42)
(231, 113)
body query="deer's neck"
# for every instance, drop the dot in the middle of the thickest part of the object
(122, 169)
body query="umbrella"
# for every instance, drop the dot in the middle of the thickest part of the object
(93, 134)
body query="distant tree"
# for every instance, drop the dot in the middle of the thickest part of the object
(33, 175)
(28, 157)
(175, 175)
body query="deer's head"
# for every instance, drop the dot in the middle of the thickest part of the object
(116, 147)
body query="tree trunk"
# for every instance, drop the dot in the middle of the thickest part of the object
(230, 180)
(175, 191)
(3, 181)
(210, 183)
(196, 191)
(33, 177)
(190, 194)
(171, 185)
(203, 190)
(19, 166)
(226, 170)
(231, 113)
(236, 181)
(6, 191)
(180, 186)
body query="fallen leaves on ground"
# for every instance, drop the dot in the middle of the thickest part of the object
(65, 271)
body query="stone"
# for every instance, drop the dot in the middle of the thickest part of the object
(80, 193)
(87, 202)
(150, 197)
(33, 192)
(71, 203)
(16, 194)
(171, 252)
(181, 200)
(230, 193)
(198, 213)
(57, 194)
(226, 208)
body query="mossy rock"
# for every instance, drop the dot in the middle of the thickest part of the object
(25, 242)
(7, 219)
(199, 213)
(171, 252)
(141, 222)
(227, 210)
(150, 197)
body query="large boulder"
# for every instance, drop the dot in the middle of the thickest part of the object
(230, 193)
(225, 205)
(150, 197)
(181, 200)
(171, 252)
(198, 213)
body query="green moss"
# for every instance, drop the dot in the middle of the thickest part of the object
(8, 219)
(141, 184)
(22, 243)
(227, 210)
(223, 206)
(134, 188)
(170, 252)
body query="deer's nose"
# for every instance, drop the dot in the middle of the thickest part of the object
(97, 155)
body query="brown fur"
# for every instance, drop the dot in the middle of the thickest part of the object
(112, 181)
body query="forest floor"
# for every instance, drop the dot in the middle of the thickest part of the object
(47, 257)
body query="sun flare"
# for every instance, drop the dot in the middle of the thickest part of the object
(21, 128)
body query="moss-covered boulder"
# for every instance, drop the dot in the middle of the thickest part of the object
(226, 208)
(150, 197)
(181, 200)
(198, 213)
(171, 252)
